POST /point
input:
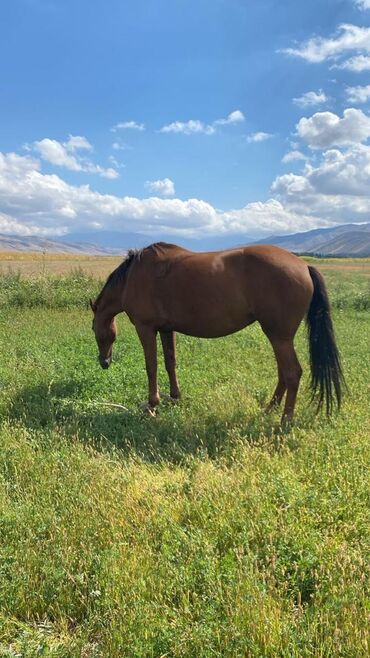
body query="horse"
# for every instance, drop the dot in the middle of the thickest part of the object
(165, 289)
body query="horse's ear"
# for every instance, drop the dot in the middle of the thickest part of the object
(92, 305)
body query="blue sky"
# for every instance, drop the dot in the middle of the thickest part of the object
(184, 117)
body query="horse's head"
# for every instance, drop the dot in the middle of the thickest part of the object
(105, 331)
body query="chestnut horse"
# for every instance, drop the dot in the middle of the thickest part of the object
(165, 288)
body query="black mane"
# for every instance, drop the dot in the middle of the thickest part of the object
(120, 272)
(133, 255)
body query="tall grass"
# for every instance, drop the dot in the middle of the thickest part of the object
(47, 290)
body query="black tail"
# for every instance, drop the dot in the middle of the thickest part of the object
(326, 371)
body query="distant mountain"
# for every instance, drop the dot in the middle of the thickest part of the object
(125, 241)
(345, 240)
(33, 243)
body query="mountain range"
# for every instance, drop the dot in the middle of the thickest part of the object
(345, 240)
(35, 243)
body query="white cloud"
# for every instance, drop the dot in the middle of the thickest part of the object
(337, 188)
(358, 94)
(164, 187)
(318, 49)
(188, 128)
(56, 153)
(65, 154)
(102, 171)
(363, 4)
(77, 142)
(195, 126)
(11, 226)
(268, 217)
(293, 155)
(258, 137)
(34, 203)
(290, 184)
(357, 64)
(343, 173)
(30, 197)
(234, 117)
(121, 146)
(128, 125)
(311, 98)
(325, 129)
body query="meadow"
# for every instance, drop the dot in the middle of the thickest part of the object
(208, 531)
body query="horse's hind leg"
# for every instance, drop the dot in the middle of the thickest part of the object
(278, 393)
(168, 339)
(290, 372)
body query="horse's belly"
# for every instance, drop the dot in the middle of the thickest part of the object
(209, 328)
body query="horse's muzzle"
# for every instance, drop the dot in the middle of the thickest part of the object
(105, 363)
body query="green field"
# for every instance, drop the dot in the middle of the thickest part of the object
(207, 531)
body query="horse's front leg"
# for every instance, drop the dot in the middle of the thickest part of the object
(148, 338)
(168, 339)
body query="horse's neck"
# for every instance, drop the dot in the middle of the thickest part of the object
(111, 304)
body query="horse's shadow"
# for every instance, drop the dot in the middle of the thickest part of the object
(172, 436)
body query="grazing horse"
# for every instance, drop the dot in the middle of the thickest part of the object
(165, 288)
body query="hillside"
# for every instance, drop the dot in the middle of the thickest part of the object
(352, 240)
(35, 244)
(345, 240)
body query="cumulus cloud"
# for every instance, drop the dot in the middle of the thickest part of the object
(31, 197)
(363, 4)
(358, 94)
(293, 155)
(195, 126)
(11, 226)
(258, 137)
(104, 172)
(343, 173)
(57, 154)
(357, 64)
(325, 129)
(234, 117)
(128, 125)
(268, 217)
(35, 203)
(318, 49)
(164, 187)
(65, 154)
(311, 98)
(337, 188)
(78, 142)
(188, 127)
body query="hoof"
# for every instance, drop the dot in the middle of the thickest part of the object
(171, 400)
(286, 423)
(147, 410)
